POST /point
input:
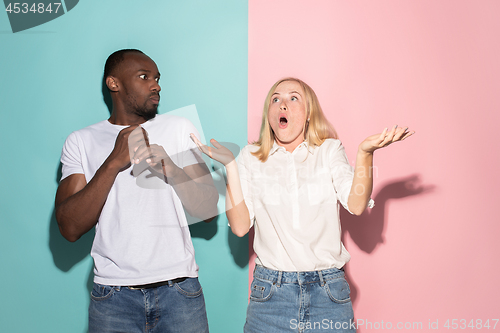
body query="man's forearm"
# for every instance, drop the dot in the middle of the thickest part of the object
(78, 213)
(198, 196)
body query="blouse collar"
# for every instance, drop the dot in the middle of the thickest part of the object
(304, 144)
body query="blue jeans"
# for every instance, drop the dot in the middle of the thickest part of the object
(317, 301)
(173, 308)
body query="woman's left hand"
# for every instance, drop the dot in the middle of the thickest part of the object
(377, 141)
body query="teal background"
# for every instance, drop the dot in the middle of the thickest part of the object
(51, 85)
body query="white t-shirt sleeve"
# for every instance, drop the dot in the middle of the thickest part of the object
(71, 158)
(243, 161)
(342, 175)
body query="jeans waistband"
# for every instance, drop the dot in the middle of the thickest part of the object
(280, 277)
(158, 284)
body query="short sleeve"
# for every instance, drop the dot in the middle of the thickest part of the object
(244, 161)
(342, 175)
(71, 157)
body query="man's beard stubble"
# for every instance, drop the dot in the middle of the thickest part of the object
(146, 113)
(143, 111)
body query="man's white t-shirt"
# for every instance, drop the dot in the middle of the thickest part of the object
(142, 235)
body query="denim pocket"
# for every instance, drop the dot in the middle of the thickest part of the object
(190, 287)
(101, 292)
(261, 291)
(338, 290)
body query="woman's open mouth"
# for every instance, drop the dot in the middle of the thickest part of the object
(283, 121)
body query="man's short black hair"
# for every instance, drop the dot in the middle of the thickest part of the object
(115, 59)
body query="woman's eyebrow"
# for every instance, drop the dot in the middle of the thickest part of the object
(291, 92)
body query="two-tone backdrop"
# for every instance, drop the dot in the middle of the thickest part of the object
(424, 259)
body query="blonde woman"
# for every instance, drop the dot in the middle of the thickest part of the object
(288, 186)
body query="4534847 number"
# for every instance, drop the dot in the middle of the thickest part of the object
(25, 8)
(470, 324)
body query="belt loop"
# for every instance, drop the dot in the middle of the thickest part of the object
(280, 275)
(170, 283)
(321, 278)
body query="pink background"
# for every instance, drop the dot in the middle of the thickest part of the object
(429, 249)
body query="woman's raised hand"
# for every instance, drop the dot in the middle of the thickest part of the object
(377, 141)
(218, 152)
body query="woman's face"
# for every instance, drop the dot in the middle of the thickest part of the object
(287, 114)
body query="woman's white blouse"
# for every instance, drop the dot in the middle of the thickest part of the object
(293, 201)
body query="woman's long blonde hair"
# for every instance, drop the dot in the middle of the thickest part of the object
(317, 128)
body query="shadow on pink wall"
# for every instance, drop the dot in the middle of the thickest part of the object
(367, 230)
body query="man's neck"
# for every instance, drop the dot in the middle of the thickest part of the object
(125, 119)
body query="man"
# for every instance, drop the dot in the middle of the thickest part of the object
(130, 176)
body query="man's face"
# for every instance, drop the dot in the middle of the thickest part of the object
(140, 90)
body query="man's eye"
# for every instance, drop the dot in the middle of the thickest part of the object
(157, 79)
(143, 76)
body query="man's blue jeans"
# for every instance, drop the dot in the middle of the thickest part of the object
(173, 308)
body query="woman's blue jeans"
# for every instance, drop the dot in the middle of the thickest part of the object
(317, 301)
(173, 308)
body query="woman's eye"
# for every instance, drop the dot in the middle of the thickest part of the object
(157, 79)
(275, 99)
(143, 76)
(294, 98)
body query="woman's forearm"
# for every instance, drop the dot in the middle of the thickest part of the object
(236, 209)
(362, 184)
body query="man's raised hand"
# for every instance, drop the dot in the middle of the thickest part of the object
(149, 156)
